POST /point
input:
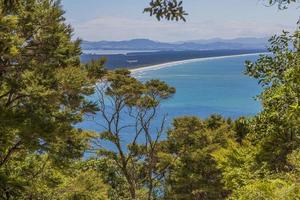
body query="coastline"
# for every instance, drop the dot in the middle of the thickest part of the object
(174, 63)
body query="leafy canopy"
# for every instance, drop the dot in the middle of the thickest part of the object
(43, 87)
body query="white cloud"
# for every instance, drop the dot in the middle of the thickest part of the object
(122, 28)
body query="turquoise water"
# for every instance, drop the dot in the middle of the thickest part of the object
(216, 86)
(208, 87)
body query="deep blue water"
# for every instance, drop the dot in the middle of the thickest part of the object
(203, 88)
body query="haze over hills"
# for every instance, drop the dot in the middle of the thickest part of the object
(146, 44)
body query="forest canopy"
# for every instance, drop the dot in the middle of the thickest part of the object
(43, 90)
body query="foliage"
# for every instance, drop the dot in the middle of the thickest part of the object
(264, 164)
(276, 189)
(276, 128)
(32, 176)
(42, 83)
(43, 89)
(282, 4)
(173, 9)
(122, 96)
(168, 9)
(275, 186)
(192, 171)
(42, 95)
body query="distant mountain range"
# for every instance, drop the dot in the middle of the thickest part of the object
(146, 44)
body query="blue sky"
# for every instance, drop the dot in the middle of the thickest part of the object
(96, 20)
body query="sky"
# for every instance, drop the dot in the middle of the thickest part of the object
(96, 20)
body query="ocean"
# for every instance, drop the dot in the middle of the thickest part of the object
(203, 87)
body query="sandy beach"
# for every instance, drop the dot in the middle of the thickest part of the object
(174, 63)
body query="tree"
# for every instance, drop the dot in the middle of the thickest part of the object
(247, 180)
(42, 91)
(263, 163)
(241, 128)
(111, 175)
(282, 4)
(192, 171)
(276, 128)
(42, 83)
(121, 97)
(34, 177)
(168, 9)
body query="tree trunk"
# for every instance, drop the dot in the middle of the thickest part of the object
(132, 192)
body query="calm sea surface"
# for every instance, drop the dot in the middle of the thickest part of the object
(210, 86)
(204, 88)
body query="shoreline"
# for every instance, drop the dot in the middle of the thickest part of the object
(174, 63)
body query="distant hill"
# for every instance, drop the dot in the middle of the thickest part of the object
(146, 44)
(136, 44)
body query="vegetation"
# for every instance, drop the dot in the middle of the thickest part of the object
(122, 96)
(192, 171)
(43, 89)
(173, 9)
